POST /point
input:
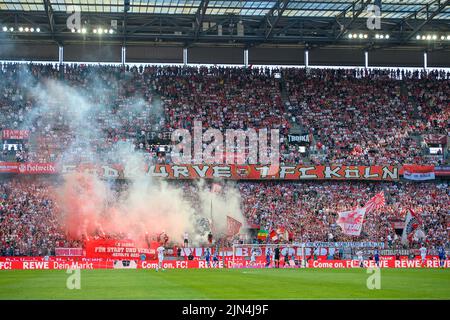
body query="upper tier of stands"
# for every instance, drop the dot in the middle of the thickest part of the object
(353, 116)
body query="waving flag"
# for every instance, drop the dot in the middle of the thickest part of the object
(413, 222)
(376, 202)
(351, 221)
(282, 233)
(262, 234)
(417, 172)
(233, 226)
(273, 235)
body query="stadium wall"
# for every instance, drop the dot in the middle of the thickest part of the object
(277, 56)
(61, 263)
(209, 54)
(92, 53)
(28, 52)
(439, 59)
(337, 57)
(219, 55)
(394, 58)
(154, 54)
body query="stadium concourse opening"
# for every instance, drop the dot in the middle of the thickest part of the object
(248, 144)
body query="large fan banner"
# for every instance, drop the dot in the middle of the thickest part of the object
(220, 171)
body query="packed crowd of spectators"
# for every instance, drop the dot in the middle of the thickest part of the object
(29, 223)
(79, 113)
(310, 209)
(369, 117)
(353, 116)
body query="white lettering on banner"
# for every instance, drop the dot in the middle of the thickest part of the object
(392, 174)
(147, 265)
(264, 171)
(320, 264)
(37, 168)
(284, 170)
(368, 175)
(305, 175)
(351, 173)
(162, 172)
(329, 172)
(73, 265)
(373, 264)
(222, 172)
(5, 265)
(432, 263)
(177, 171)
(88, 263)
(407, 264)
(296, 138)
(419, 176)
(182, 264)
(201, 172)
(35, 265)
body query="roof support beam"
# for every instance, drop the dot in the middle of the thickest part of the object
(356, 14)
(126, 8)
(51, 21)
(441, 6)
(50, 18)
(199, 16)
(274, 16)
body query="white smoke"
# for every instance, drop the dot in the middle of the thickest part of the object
(147, 205)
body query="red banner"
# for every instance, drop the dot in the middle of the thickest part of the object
(231, 171)
(28, 168)
(414, 168)
(282, 172)
(63, 263)
(9, 167)
(117, 249)
(37, 168)
(15, 134)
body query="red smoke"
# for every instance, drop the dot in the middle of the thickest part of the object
(88, 207)
(82, 205)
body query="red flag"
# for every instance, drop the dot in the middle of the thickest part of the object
(282, 233)
(273, 235)
(233, 226)
(376, 202)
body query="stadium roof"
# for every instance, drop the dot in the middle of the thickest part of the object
(243, 22)
(396, 9)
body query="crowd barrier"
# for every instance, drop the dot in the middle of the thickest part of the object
(64, 263)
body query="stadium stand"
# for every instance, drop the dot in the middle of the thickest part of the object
(354, 117)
